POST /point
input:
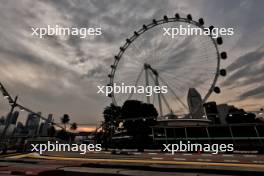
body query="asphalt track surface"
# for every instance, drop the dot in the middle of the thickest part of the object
(132, 163)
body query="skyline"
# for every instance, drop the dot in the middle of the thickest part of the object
(60, 75)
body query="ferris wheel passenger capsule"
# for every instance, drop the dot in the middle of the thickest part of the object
(217, 90)
(165, 18)
(122, 49)
(222, 72)
(219, 40)
(201, 21)
(189, 17)
(211, 28)
(117, 58)
(223, 55)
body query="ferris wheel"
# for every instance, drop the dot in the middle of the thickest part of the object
(181, 63)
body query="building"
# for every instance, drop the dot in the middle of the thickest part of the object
(212, 112)
(45, 126)
(32, 124)
(195, 104)
(14, 116)
(223, 111)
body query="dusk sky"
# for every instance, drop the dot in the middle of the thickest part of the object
(60, 74)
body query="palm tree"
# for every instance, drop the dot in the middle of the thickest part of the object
(65, 120)
(74, 126)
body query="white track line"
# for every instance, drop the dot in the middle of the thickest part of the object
(250, 156)
(187, 154)
(204, 160)
(259, 162)
(179, 159)
(137, 153)
(152, 153)
(156, 158)
(231, 161)
(5, 172)
(226, 155)
(206, 154)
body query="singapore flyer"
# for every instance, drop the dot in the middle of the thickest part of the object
(182, 63)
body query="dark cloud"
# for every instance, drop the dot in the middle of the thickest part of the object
(257, 93)
(247, 69)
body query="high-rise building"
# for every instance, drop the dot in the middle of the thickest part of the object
(2, 120)
(44, 127)
(19, 129)
(14, 117)
(195, 104)
(32, 124)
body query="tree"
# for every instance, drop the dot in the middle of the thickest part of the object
(139, 117)
(74, 126)
(65, 120)
(111, 115)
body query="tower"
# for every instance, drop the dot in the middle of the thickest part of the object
(195, 104)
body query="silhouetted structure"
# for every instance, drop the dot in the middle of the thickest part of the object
(195, 104)
(212, 112)
(32, 124)
(45, 126)
(223, 111)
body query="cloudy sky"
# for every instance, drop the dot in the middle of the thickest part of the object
(59, 74)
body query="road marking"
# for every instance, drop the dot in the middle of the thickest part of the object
(152, 153)
(179, 159)
(156, 158)
(259, 162)
(204, 160)
(206, 154)
(143, 161)
(250, 156)
(226, 155)
(9, 155)
(152, 150)
(22, 155)
(231, 161)
(137, 153)
(169, 154)
(5, 172)
(187, 154)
